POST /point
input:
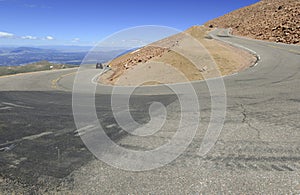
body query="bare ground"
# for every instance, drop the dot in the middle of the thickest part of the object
(173, 60)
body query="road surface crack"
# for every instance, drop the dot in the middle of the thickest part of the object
(246, 121)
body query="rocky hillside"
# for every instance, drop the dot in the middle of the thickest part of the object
(273, 20)
(142, 55)
(142, 64)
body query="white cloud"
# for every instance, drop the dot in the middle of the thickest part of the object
(29, 37)
(6, 35)
(75, 40)
(30, 5)
(36, 6)
(49, 38)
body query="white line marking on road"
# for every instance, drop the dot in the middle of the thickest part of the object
(6, 108)
(111, 126)
(96, 78)
(16, 105)
(84, 130)
(32, 137)
(239, 46)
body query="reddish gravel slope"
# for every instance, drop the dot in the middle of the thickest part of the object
(273, 20)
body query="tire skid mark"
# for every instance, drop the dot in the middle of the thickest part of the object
(269, 158)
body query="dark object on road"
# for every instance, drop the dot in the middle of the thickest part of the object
(99, 65)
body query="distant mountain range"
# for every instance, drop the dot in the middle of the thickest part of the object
(73, 55)
(22, 50)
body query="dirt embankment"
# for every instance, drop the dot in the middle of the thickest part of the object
(161, 63)
(272, 20)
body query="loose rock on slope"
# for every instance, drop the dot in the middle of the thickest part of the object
(272, 20)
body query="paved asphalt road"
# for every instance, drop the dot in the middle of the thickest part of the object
(258, 150)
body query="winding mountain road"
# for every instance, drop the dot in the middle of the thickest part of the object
(258, 150)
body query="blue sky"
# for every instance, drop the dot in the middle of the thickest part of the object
(85, 22)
